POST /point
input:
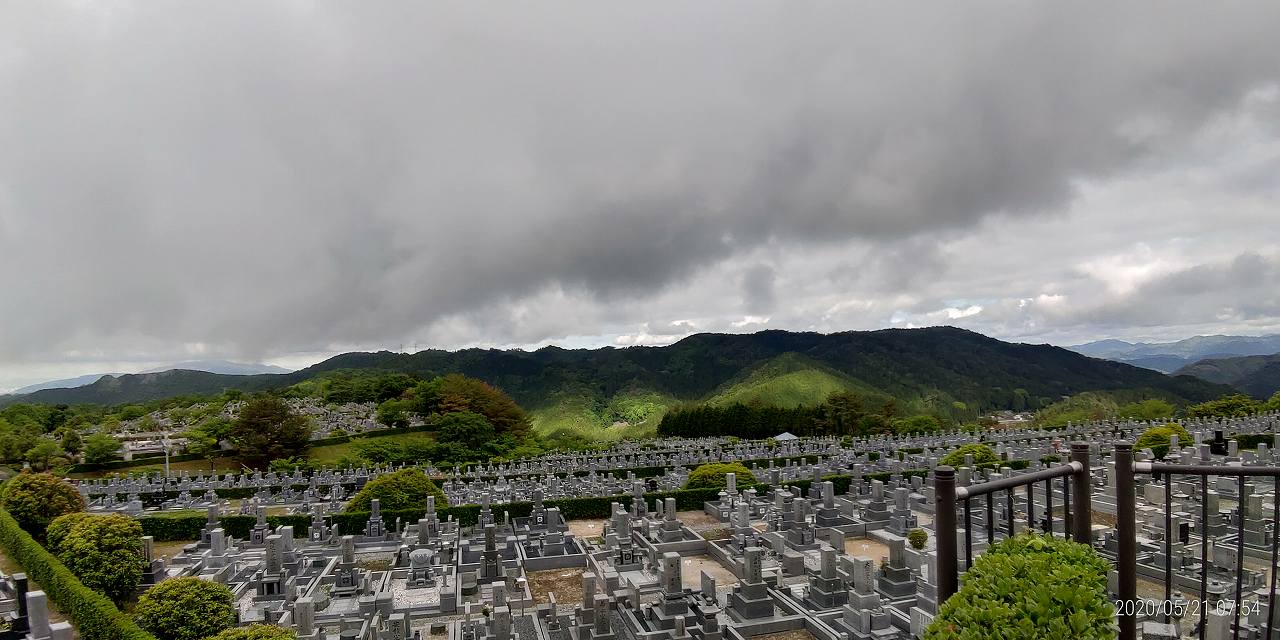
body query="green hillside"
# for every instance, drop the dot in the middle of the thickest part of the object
(789, 380)
(632, 414)
(611, 393)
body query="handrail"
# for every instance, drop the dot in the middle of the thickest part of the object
(948, 497)
(1126, 532)
(1009, 482)
(1204, 469)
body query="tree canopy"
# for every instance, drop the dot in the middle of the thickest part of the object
(100, 448)
(1232, 406)
(266, 429)
(35, 499)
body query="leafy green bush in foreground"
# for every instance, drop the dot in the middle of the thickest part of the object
(1032, 587)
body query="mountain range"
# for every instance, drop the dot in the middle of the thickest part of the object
(225, 367)
(939, 369)
(1174, 356)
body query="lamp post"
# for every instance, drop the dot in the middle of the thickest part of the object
(164, 442)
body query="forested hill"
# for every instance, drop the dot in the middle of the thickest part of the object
(942, 364)
(1258, 376)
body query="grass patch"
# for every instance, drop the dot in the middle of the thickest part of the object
(332, 453)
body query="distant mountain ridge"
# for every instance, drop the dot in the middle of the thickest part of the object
(65, 383)
(1258, 376)
(1172, 356)
(224, 367)
(939, 365)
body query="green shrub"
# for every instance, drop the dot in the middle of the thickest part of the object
(103, 551)
(1252, 440)
(1030, 587)
(185, 609)
(713, 475)
(1158, 439)
(982, 454)
(404, 489)
(256, 632)
(93, 615)
(35, 499)
(60, 527)
(1232, 406)
(917, 538)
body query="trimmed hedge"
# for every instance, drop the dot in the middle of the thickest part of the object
(1031, 587)
(653, 472)
(715, 474)
(1252, 440)
(93, 614)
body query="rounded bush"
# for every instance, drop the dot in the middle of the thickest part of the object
(1031, 587)
(1158, 439)
(982, 454)
(256, 632)
(709, 476)
(35, 499)
(60, 527)
(104, 552)
(185, 609)
(403, 490)
(917, 538)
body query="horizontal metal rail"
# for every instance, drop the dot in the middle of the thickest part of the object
(1010, 482)
(1204, 469)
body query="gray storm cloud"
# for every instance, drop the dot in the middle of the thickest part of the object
(270, 177)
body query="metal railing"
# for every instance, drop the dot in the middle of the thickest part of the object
(1126, 533)
(1078, 520)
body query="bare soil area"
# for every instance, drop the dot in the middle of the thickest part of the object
(565, 583)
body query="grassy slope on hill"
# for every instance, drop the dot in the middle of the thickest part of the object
(633, 414)
(789, 380)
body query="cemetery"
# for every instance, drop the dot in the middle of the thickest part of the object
(817, 545)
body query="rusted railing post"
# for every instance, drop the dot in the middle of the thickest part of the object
(944, 527)
(1127, 532)
(1081, 486)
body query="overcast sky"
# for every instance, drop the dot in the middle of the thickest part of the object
(283, 180)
